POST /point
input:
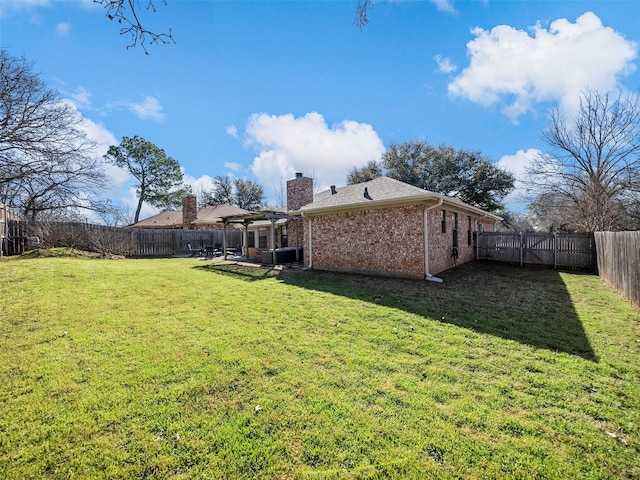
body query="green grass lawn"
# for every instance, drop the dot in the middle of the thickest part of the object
(183, 368)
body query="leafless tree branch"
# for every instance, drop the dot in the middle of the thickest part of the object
(593, 162)
(126, 13)
(362, 10)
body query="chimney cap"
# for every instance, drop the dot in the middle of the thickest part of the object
(298, 174)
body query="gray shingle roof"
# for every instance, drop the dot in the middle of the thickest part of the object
(381, 189)
(173, 218)
(211, 215)
(166, 219)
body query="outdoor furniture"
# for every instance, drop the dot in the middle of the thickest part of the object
(195, 251)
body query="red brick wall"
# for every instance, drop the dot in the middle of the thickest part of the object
(299, 192)
(189, 211)
(386, 241)
(440, 243)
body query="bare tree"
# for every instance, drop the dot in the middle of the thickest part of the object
(592, 170)
(46, 160)
(127, 14)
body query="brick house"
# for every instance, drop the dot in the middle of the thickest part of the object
(387, 227)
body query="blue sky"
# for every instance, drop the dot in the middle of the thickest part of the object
(261, 90)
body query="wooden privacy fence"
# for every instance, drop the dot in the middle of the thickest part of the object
(619, 262)
(573, 251)
(131, 242)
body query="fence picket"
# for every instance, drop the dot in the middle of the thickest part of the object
(619, 262)
(557, 250)
(130, 242)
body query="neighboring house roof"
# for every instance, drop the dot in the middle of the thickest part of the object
(212, 215)
(381, 192)
(173, 218)
(166, 219)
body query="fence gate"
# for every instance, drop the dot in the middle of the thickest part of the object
(15, 238)
(559, 250)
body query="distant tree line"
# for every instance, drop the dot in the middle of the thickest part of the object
(239, 192)
(588, 179)
(457, 173)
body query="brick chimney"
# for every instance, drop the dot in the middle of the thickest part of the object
(299, 192)
(189, 211)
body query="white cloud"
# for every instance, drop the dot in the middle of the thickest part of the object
(445, 65)
(233, 166)
(307, 144)
(515, 70)
(444, 5)
(81, 98)
(517, 164)
(200, 184)
(232, 130)
(8, 6)
(90, 5)
(63, 28)
(119, 180)
(149, 109)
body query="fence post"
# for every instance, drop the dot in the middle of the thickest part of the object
(555, 250)
(521, 250)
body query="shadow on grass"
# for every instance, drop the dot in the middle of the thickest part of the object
(248, 273)
(527, 305)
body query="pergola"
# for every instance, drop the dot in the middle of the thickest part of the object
(247, 219)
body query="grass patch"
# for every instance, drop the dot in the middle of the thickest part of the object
(180, 368)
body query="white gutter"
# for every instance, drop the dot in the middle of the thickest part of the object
(428, 276)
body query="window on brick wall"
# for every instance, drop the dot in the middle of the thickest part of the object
(454, 218)
(262, 238)
(284, 238)
(468, 230)
(251, 239)
(443, 220)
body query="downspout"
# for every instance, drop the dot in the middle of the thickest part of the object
(310, 252)
(428, 276)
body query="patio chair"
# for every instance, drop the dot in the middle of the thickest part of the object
(194, 251)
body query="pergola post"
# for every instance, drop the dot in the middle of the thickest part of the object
(224, 238)
(273, 238)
